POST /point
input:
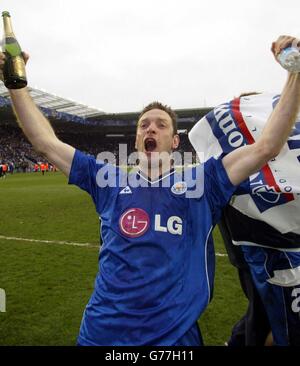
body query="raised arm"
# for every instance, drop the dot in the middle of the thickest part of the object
(38, 130)
(243, 162)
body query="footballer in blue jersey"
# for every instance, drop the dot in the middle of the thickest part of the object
(156, 264)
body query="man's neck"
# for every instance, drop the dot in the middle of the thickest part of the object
(153, 173)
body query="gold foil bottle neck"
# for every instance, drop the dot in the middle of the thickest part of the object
(7, 23)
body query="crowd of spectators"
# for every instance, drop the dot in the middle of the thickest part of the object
(17, 154)
(15, 151)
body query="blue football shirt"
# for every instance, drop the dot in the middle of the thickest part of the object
(156, 264)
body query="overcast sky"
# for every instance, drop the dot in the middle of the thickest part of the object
(119, 55)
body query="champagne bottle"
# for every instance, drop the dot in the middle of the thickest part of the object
(14, 74)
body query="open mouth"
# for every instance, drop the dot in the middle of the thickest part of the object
(150, 144)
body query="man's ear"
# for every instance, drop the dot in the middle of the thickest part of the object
(176, 141)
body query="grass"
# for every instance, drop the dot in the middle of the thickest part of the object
(48, 285)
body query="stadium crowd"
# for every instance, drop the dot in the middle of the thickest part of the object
(17, 154)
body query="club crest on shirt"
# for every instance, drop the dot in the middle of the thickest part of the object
(179, 188)
(134, 222)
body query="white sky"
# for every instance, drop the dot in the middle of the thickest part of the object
(119, 55)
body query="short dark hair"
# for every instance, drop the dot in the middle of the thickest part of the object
(165, 108)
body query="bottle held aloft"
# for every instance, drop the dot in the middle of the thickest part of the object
(289, 59)
(14, 74)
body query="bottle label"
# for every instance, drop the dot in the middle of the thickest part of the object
(12, 47)
(19, 66)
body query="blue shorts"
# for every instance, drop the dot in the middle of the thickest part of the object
(276, 275)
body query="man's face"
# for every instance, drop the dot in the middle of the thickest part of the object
(155, 133)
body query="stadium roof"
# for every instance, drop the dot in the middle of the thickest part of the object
(54, 102)
(61, 112)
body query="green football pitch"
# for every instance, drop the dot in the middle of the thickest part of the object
(48, 278)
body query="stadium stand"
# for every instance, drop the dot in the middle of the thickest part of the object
(85, 128)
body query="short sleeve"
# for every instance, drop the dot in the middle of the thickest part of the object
(84, 171)
(218, 188)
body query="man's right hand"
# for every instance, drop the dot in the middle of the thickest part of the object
(283, 42)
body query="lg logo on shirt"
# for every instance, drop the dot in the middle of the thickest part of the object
(135, 222)
(174, 225)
